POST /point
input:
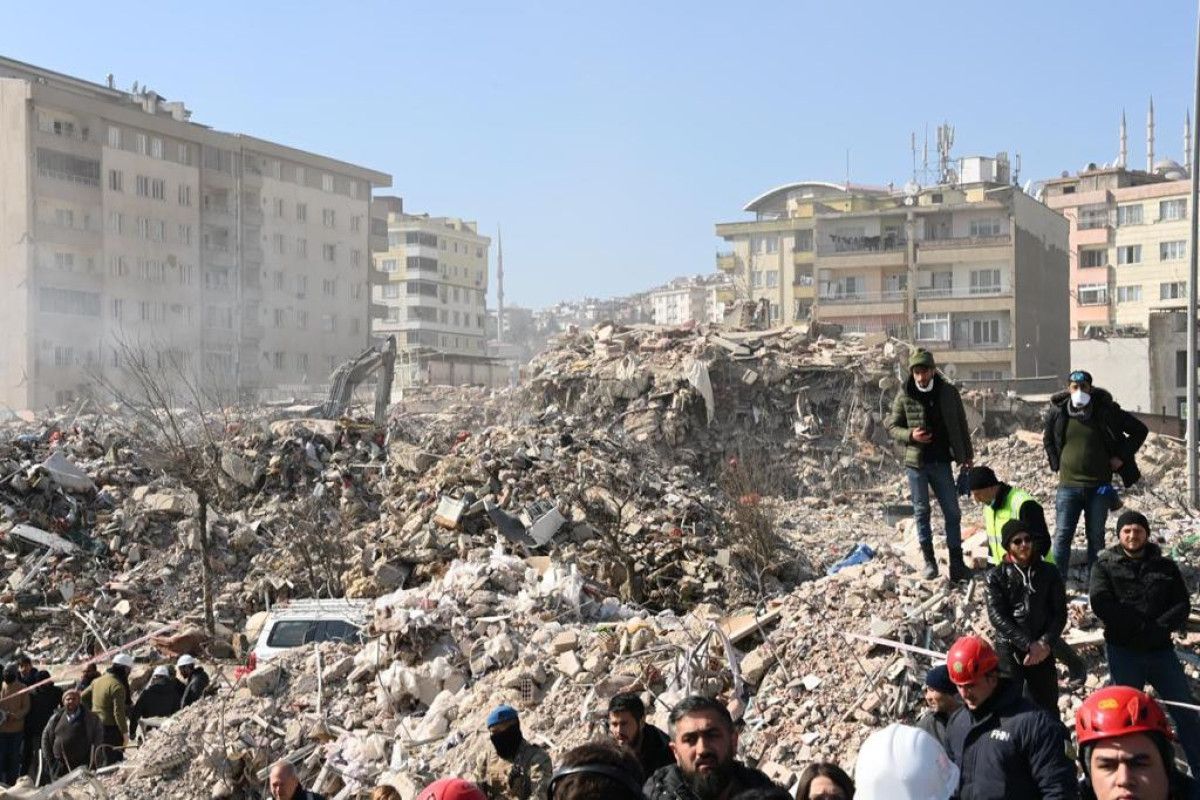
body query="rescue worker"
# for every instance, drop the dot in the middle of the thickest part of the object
(1125, 749)
(928, 418)
(941, 698)
(71, 738)
(194, 680)
(1027, 606)
(513, 769)
(451, 789)
(1004, 745)
(903, 763)
(1001, 503)
(285, 784)
(705, 744)
(627, 724)
(160, 698)
(1087, 438)
(108, 697)
(1140, 596)
(12, 724)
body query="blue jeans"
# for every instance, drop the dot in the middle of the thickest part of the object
(10, 756)
(1069, 503)
(938, 476)
(1162, 670)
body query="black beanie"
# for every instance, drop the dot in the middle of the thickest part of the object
(1130, 517)
(1011, 529)
(981, 478)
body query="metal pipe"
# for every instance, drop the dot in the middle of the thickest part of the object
(1193, 483)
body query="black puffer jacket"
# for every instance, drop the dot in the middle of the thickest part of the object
(1010, 749)
(668, 783)
(159, 699)
(1139, 600)
(194, 689)
(654, 750)
(1123, 433)
(1026, 604)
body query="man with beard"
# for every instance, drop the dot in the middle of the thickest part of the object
(941, 698)
(513, 769)
(627, 724)
(704, 743)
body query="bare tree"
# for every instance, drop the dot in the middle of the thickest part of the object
(177, 423)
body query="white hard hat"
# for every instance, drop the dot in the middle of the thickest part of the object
(903, 763)
(123, 660)
(161, 672)
(185, 661)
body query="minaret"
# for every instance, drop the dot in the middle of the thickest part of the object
(1121, 158)
(499, 286)
(1150, 137)
(1187, 141)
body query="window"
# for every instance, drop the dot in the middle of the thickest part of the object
(156, 148)
(985, 331)
(278, 317)
(277, 279)
(143, 227)
(1129, 294)
(1093, 258)
(69, 301)
(64, 261)
(1172, 251)
(1092, 217)
(984, 227)
(1129, 215)
(140, 143)
(328, 323)
(933, 327)
(158, 230)
(143, 186)
(804, 241)
(329, 218)
(64, 217)
(115, 221)
(277, 243)
(479, 252)
(993, 374)
(158, 189)
(301, 358)
(301, 286)
(355, 224)
(1171, 210)
(278, 206)
(391, 291)
(114, 137)
(422, 239)
(185, 234)
(301, 176)
(756, 278)
(301, 212)
(356, 291)
(1129, 254)
(183, 154)
(185, 194)
(302, 320)
(118, 267)
(772, 277)
(457, 297)
(1093, 294)
(388, 265)
(302, 248)
(329, 287)
(1181, 368)
(117, 308)
(116, 180)
(355, 258)
(329, 252)
(1176, 290)
(985, 281)
(327, 183)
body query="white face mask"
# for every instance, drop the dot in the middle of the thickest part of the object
(920, 388)
(1080, 398)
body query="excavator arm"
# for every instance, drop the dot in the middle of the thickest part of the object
(381, 358)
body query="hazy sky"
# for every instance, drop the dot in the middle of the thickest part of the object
(607, 138)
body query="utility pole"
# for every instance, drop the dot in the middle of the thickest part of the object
(499, 286)
(1190, 420)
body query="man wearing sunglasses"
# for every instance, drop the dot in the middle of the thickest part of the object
(1027, 606)
(1088, 438)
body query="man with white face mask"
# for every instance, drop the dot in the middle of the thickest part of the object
(1087, 437)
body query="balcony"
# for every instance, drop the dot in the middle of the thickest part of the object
(960, 299)
(252, 253)
(863, 251)
(252, 214)
(49, 232)
(963, 350)
(855, 304)
(217, 256)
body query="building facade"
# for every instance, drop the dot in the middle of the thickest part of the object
(974, 271)
(679, 305)
(433, 282)
(124, 224)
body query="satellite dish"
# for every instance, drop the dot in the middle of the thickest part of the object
(912, 189)
(950, 371)
(908, 201)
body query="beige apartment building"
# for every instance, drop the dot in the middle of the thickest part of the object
(433, 282)
(976, 271)
(121, 221)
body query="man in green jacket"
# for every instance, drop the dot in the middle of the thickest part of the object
(108, 697)
(928, 417)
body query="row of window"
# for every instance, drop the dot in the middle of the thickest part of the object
(1096, 294)
(1175, 250)
(978, 332)
(427, 264)
(1099, 216)
(441, 316)
(146, 145)
(418, 238)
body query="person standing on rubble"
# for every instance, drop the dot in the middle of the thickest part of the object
(941, 698)
(705, 744)
(159, 699)
(108, 697)
(71, 738)
(1027, 606)
(513, 768)
(929, 419)
(1003, 744)
(43, 701)
(284, 784)
(627, 724)
(13, 711)
(195, 680)
(1140, 596)
(1087, 438)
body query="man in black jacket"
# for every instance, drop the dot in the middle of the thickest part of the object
(42, 703)
(1087, 438)
(1027, 606)
(627, 724)
(159, 699)
(705, 745)
(195, 680)
(1140, 596)
(943, 702)
(1004, 745)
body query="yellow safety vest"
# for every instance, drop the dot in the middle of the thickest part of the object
(994, 519)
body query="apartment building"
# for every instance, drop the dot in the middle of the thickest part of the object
(433, 290)
(244, 261)
(680, 303)
(1128, 243)
(975, 270)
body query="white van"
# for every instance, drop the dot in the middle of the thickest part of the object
(302, 622)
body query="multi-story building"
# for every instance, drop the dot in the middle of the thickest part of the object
(123, 223)
(976, 270)
(433, 288)
(1128, 243)
(679, 303)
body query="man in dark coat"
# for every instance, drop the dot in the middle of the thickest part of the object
(1088, 438)
(929, 420)
(43, 701)
(1140, 596)
(1006, 748)
(160, 698)
(70, 739)
(194, 681)
(628, 726)
(705, 743)
(942, 700)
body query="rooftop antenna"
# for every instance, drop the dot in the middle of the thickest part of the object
(945, 143)
(925, 157)
(112, 81)
(1150, 137)
(1124, 151)
(913, 146)
(1016, 178)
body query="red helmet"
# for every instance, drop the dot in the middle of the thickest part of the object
(1117, 710)
(969, 659)
(451, 789)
